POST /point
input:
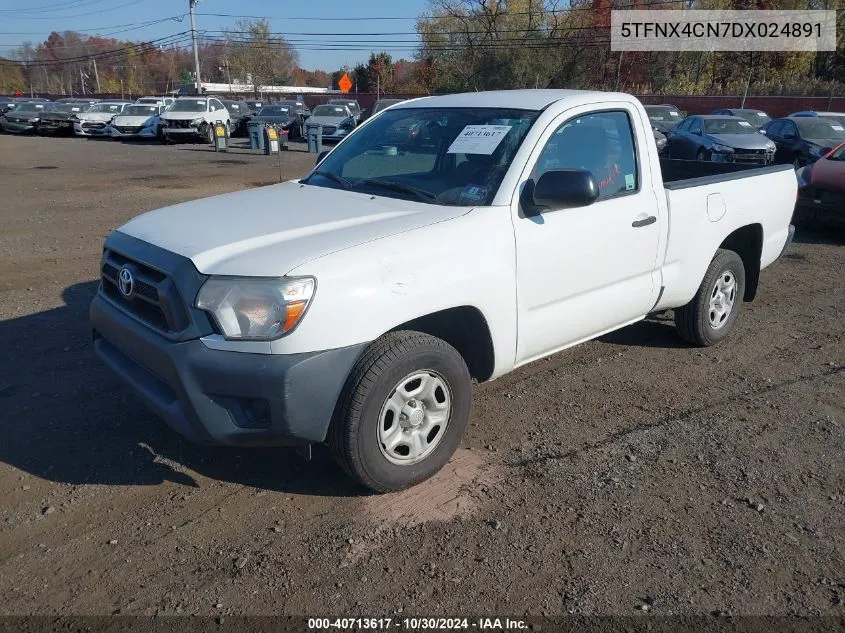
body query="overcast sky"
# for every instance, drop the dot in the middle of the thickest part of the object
(309, 25)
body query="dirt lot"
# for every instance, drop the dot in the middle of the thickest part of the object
(629, 471)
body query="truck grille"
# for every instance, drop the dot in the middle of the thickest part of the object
(154, 298)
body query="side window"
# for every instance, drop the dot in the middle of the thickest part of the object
(789, 129)
(696, 127)
(683, 126)
(775, 128)
(602, 143)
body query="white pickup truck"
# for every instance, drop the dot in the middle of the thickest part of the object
(446, 239)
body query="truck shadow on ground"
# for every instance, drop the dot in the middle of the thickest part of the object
(67, 419)
(656, 330)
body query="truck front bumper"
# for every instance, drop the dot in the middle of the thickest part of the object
(222, 397)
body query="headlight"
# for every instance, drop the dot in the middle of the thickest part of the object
(256, 308)
(198, 121)
(34, 119)
(163, 122)
(771, 148)
(347, 125)
(722, 149)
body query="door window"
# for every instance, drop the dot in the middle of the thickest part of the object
(695, 127)
(600, 142)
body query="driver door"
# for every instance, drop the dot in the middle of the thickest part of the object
(584, 271)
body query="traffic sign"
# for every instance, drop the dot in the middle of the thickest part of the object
(345, 83)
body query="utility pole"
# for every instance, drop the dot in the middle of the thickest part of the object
(97, 76)
(192, 5)
(82, 79)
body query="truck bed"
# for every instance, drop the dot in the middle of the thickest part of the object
(681, 174)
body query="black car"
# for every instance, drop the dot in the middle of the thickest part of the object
(720, 139)
(757, 118)
(353, 105)
(25, 117)
(282, 117)
(239, 116)
(663, 118)
(6, 103)
(256, 104)
(839, 117)
(803, 140)
(61, 117)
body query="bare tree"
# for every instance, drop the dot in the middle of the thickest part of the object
(257, 55)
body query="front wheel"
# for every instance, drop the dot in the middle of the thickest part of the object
(402, 412)
(714, 309)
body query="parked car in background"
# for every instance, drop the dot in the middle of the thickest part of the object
(95, 120)
(281, 116)
(804, 139)
(721, 139)
(821, 190)
(165, 101)
(59, 119)
(336, 119)
(757, 118)
(381, 104)
(353, 105)
(839, 117)
(299, 107)
(240, 114)
(663, 118)
(139, 120)
(24, 117)
(6, 103)
(193, 117)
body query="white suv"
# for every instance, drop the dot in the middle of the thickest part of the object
(190, 117)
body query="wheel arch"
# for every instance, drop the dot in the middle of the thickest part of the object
(466, 329)
(747, 242)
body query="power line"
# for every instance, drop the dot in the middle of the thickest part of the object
(70, 17)
(74, 4)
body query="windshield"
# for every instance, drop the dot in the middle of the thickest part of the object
(813, 127)
(329, 110)
(450, 156)
(755, 117)
(663, 114)
(352, 105)
(731, 125)
(105, 107)
(188, 105)
(274, 111)
(231, 106)
(141, 110)
(839, 118)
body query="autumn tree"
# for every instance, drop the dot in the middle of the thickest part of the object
(258, 56)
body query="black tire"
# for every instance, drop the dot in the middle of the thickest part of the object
(693, 321)
(209, 133)
(353, 436)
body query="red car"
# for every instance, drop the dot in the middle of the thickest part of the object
(821, 189)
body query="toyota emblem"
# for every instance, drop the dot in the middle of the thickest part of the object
(125, 282)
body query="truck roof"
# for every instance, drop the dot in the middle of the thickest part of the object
(517, 99)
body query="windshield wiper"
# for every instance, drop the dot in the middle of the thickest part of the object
(332, 176)
(425, 196)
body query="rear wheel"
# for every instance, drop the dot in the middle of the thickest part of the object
(209, 133)
(402, 412)
(712, 313)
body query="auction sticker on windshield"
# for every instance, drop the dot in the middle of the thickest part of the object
(479, 139)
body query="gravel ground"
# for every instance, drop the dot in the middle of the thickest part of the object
(630, 475)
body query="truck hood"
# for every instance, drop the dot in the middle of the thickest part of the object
(743, 141)
(268, 231)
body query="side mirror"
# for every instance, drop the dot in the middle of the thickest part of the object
(789, 136)
(565, 188)
(321, 156)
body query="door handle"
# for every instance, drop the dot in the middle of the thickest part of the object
(644, 222)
